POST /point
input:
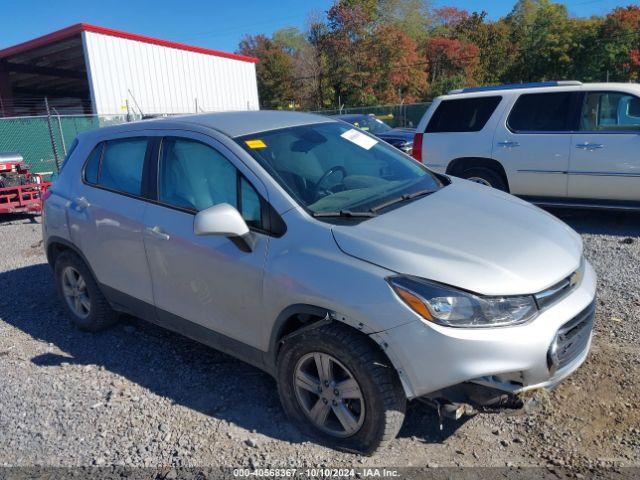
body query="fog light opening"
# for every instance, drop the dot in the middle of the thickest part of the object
(552, 356)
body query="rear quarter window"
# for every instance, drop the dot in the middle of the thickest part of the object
(92, 166)
(463, 115)
(69, 153)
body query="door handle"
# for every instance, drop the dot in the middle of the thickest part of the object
(81, 203)
(508, 144)
(589, 146)
(157, 232)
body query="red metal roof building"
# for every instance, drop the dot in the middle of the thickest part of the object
(87, 69)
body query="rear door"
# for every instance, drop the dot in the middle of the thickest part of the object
(106, 216)
(533, 143)
(605, 154)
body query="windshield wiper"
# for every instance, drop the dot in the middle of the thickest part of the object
(344, 213)
(403, 198)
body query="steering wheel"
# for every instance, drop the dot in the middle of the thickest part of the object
(325, 175)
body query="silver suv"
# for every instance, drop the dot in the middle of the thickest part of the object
(333, 261)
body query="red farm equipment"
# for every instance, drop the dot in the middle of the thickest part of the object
(20, 190)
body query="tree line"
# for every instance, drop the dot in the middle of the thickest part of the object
(372, 52)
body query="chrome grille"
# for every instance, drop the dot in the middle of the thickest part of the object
(574, 335)
(560, 289)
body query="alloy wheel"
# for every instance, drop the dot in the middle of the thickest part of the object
(74, 289)
(329, 394)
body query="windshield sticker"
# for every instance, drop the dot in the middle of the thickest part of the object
(359, 139)
(255, 144)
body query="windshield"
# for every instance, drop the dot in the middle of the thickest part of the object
(332, 167)
(371, 124)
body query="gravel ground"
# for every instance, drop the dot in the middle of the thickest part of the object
(141, 396)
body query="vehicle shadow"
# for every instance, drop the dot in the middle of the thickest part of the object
(600, 222)
(167, 364)
(9, 218)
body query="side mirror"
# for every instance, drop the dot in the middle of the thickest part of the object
(224, 220)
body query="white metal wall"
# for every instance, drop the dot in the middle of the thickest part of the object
(160, 79)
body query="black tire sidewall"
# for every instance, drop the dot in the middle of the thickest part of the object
(487, 174)
(100, 316)
(372, 430)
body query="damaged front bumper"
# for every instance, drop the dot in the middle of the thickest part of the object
(431, 358)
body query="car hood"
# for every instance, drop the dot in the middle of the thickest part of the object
(399, 134)
(469, 236)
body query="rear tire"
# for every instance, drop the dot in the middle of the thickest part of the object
(485, 176)
(83, 301)
(374, 405)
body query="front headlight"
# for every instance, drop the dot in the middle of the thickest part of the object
(451, 307)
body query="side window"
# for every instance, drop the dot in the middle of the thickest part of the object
(250, 204)
(92, 166)
(545, 112)
(122, 164)
(463, 115)
(610, 111)
(194, 176)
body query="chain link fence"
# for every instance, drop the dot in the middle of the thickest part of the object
(404, 115)
(31, 137)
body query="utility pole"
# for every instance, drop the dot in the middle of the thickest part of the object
(64, 146)
(54, 147)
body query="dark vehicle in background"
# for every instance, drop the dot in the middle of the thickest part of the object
(401, 138)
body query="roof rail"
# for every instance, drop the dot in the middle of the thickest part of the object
(516, 86)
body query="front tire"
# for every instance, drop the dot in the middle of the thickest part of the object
(337, 386)
(83, 301)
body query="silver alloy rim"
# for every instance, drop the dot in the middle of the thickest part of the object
(74, 289)
(329, 394)
(479, 180)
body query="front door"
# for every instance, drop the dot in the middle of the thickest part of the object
(605, 158)
(534, 143)
(206, 280)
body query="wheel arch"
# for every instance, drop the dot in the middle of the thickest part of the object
(290, 320)
(303, 317)
(459, 165)
(57, 245)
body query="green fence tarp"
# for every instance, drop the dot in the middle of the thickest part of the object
(29, 136)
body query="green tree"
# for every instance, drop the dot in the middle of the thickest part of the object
(291, 39)
(619, 44)
(348, 46)
(494, 44)
(366, 52)
(586, 54)
(413, 17)
(274, 70)
(400, 74)
(451, 63)
(543, 34)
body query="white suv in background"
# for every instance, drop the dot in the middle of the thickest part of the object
(552, 143)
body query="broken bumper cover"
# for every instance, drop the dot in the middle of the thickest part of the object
(511, 359)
